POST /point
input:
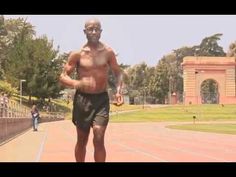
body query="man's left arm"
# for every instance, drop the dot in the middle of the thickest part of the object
(119, 77)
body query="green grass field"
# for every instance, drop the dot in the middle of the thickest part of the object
(215, 128)
(179, 113)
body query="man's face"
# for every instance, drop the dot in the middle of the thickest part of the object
(93, 32)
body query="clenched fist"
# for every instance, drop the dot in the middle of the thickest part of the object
(119, 100)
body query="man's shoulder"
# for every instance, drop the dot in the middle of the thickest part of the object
(107, 48)
(75, 54)
(85, 48)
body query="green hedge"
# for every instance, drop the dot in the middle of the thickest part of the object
(7, 88)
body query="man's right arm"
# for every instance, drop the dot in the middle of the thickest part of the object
(65, 79)
(69, 67)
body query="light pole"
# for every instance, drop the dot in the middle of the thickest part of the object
(170, 85)
(22, 80)
(143, 74)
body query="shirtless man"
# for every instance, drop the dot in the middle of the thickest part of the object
(91, 102)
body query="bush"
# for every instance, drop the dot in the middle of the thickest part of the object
(7, 88)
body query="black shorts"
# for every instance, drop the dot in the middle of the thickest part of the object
(90, 109)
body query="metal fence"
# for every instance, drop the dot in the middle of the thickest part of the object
(13, 110)
(16, 118)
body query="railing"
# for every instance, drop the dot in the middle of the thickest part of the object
(15, 119)
(13, 109)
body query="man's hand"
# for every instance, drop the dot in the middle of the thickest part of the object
(119, 99)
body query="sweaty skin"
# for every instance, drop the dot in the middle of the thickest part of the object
(92, 69)
(92, 63)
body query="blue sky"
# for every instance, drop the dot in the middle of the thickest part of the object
(136, 38)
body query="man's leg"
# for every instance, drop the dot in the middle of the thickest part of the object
(98, 141)
(80, 147)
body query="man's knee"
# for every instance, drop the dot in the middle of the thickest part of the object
(98, 142)
(82, 142)
(82, 139)
(98, 139)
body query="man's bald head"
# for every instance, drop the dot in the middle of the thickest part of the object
(93, 21)
(93, 30)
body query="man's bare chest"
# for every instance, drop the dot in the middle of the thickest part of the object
(89, 60)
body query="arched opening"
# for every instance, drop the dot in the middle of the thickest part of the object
(221, 69)
(209, 92)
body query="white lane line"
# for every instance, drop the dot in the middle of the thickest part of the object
(141, 152)
(41, 147)
(168, 139)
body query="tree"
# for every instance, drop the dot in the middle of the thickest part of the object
(162, 80)
(31, 58)
(3, 33)
(232, 50)
(19, 32)
(43, 76)
(178, 75)
(210, 47)
(137, 79)
(36, 61)
(112, 79)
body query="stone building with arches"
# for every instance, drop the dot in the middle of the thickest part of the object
(217, 72)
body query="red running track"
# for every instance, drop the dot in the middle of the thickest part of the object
(125, 142)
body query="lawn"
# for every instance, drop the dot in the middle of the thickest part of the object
(215, 128)
(179, 113)
(182, 113)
